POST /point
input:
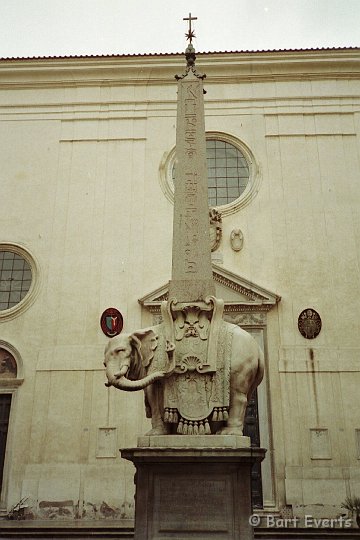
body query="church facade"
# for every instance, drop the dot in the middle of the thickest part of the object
(88, 159)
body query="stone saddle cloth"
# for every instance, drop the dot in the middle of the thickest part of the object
(194, 396)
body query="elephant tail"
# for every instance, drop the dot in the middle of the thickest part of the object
(259, 373)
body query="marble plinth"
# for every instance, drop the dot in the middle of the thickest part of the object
(197, 492)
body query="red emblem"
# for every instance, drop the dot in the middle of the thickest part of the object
(111, 322)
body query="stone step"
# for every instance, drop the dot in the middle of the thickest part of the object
(68, 534)
(52, 531)
(300, 533)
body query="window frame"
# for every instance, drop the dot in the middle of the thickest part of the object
(246, 196)
(28, 299)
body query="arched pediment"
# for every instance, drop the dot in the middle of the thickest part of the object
(239, 294)
(11, 366)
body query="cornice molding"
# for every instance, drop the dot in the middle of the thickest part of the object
(134, 110)
(160, 70)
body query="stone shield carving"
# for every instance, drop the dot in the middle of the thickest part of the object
(236, 239)
(215, 228)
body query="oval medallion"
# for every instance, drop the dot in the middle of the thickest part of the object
(309, 323)
(111, 322)
(236, 240)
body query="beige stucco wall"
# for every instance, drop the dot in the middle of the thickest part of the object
(81, 142)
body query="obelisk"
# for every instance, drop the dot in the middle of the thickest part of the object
(192, 483)
(191, 279)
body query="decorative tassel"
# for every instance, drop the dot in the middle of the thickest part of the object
(226, 414)
(166, 416)
(191, 428)
(201, 428)
(175, 417)
(186, 427)
(220, 416)
(180, 428)
(207, 428)
(215, 415)
(171, 416)
(196, 428)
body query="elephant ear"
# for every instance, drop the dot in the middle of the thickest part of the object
(144, 343)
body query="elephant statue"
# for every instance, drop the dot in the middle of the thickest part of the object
(145, 359)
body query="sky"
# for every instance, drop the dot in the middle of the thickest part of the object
(100, 27)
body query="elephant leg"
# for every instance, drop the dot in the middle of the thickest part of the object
(235, 423)
(153, 397)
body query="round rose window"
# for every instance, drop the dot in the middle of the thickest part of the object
(15, 279)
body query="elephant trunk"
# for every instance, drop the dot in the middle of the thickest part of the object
(122, 383)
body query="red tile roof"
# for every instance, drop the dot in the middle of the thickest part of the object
(139, 55)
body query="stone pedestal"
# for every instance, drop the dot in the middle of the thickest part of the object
(196, 487)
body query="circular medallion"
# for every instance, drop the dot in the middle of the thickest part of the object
(111, 322)
(309, 323)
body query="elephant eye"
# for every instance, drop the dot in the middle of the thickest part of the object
(120, 349)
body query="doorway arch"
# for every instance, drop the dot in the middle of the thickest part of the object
(11, 377)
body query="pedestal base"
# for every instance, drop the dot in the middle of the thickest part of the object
(200, 492)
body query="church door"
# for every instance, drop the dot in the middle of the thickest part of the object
(5, 404)
(251, 429)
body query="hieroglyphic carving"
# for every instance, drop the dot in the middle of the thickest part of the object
(191, 180)
(191, 268)
(191, 223)
(192, 93)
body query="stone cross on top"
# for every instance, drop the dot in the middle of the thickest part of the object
(190, 34)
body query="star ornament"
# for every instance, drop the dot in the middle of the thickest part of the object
(190, 35)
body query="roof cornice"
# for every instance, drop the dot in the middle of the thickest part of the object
(160, 68)
(179, 54)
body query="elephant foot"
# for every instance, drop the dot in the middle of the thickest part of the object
(160, 430)
(230, 431)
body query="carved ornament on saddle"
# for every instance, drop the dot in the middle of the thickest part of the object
(194, 327)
